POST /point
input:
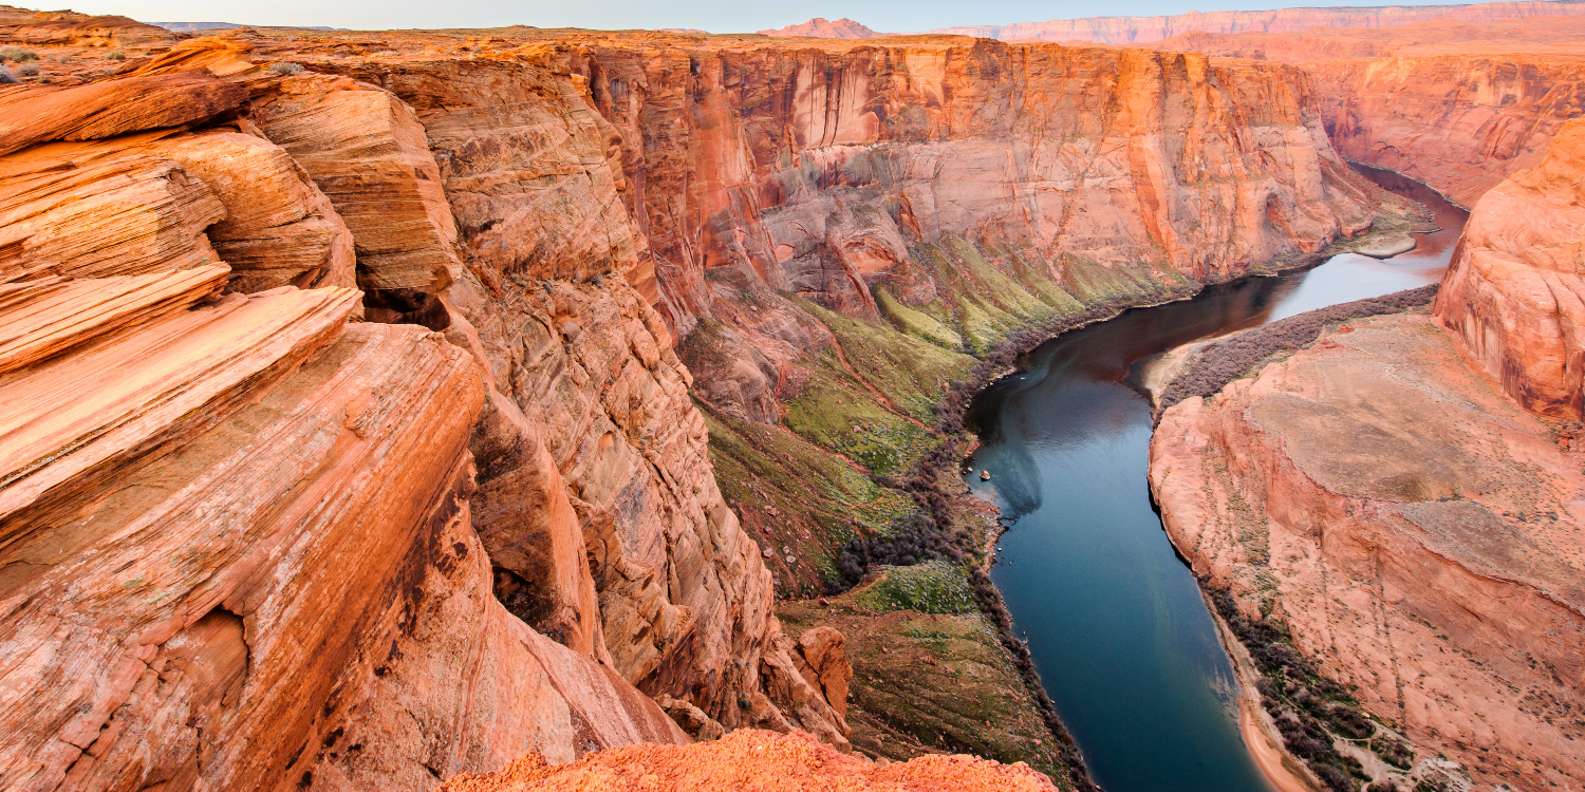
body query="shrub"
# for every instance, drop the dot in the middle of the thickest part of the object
(286, 68)
(6, 77)
(118, 55)
(933, 587)
(28, 70)
(17, 55)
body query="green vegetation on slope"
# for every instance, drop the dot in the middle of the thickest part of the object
(930, 682)
(798, 498)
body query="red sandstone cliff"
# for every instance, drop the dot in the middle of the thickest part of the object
(1459, 102)
(1515, 293)
(1385, 500)
(564, 209)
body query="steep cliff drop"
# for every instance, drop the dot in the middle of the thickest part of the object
(1152, 30)
(1459, 100)
(1379, 507)
(267, 534)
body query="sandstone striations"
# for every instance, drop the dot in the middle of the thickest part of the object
(754, 760)
(235, 535)
(1515, 293)
(1381, 504)
(1459, 102)
(810, 240)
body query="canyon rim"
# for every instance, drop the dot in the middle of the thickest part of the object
(560, 408)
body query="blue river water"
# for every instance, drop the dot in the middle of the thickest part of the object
(1115, 621)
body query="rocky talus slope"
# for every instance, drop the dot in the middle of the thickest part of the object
(1398, 506)
(1459, 101)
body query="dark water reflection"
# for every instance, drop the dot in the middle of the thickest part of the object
(1114, 619)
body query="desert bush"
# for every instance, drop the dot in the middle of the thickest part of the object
(1219, 363)
(118, 55)
(17, 55)
(6, 77)
(928, 588)
(286, 68)
(28, 70)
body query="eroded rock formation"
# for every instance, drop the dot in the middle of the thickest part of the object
(810, 226)
(1458, 101)
(1385, 504)
(1515, 293)
(235, 534)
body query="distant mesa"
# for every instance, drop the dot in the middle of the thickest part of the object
(196, 27)
(820, 27)
(211, 27)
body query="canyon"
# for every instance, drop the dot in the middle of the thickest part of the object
(381, 408)
(1398, 499)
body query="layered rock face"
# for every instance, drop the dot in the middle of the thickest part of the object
(1151, 29)
(1515, 293)
(1399, 501)
(822, 225)
(1411, 529)
(235, 534)
(807, 220)
(1458, 102)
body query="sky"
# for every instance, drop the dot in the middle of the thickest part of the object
(716, 16)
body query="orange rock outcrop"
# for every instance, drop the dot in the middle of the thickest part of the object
(752, 761)
(1459, 101)
(1387, 499)
(1515, 293)
(282, 542)
(235, 536)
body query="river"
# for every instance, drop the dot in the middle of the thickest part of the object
(1114, 619)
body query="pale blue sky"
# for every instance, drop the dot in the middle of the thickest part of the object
(719, 16)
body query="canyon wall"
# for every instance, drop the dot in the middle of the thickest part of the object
(825, 235)
(1459, 102)
(1515, 293)
(1399, 504)
(833, 230)
(237, 544)
(1152, 29)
